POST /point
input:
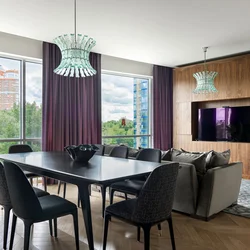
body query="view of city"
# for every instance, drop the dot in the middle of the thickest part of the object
(11, 110)
(125, 110)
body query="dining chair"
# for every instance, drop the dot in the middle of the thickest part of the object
(32, 209)
(25, 148)
(134, 186)
(152, 206)
(6, 203)
(119, 152)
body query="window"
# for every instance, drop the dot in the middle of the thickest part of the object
(126, 110)
(20, 103)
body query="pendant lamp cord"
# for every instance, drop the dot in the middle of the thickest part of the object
(75, 21)
(205, 63)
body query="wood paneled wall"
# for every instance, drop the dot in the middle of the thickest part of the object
(233, 84)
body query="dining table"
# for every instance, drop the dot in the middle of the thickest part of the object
(102, 170)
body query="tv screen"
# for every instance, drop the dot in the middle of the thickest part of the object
(224, 124)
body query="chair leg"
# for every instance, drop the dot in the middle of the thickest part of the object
(159, 229)
(59, 187)
(126, 196)
(55, 227)
(50, 228)
(146, 237)
(64, 189)
(90, 190)
(103, 190)
(138, 233)
(31, 181)
(6, 225)
(45, 183)
(27, 226)
(75, 219)
(171, 230)
(111, 195)
(79, 201)
(13, 229)
(105, 231)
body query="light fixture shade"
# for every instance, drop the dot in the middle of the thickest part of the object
(75, 51)
(205, 82)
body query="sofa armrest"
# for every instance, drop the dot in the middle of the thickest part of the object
(219, 189)
(186, 189)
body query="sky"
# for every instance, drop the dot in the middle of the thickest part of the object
(33, 78)
(117, 97)
(117, 91)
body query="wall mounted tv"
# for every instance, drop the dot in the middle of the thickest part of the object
(224, 124)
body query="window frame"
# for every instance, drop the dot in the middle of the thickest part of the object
(22, 94)
(150, 104)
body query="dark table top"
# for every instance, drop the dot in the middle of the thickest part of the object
(99, 169)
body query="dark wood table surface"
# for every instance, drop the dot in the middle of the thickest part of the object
(99, 169)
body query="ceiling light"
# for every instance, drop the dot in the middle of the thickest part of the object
(205, 79)
(75, 49)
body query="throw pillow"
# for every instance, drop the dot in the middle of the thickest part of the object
(198, 160)
(166, 155)
(133, 152)
(215, 159)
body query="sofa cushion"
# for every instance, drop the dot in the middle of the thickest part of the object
(166, 155)
(207, 154)
(133, 152)
(215, 159)
(198, 160)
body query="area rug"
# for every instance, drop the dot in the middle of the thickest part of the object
(242, 208)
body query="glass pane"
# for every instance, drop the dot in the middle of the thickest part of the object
(33, 105)
(4, 146)
(35, 145)
(9, 98)
(125, 109)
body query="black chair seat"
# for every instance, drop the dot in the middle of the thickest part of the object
(55, 206)
(123, 209)
(128, 186)
(30, 175)
(40, 193)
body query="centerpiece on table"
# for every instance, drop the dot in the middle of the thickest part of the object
(82, 152)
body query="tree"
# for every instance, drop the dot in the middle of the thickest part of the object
(10, 125)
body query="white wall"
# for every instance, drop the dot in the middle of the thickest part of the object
(126, 66)
(20, 46)
(26, 47)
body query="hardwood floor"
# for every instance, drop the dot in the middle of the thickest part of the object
(224, 232)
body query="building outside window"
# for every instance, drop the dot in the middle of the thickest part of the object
(126, 110)
(20, 103)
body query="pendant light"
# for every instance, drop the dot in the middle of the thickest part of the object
(205, 79)
(75, 49)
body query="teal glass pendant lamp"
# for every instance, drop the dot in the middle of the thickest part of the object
(205, 79)
(75, 49)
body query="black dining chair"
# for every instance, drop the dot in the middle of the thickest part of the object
(32, 209)
(152, 206)
(25, 148)
(119, 152)
(134, 186)
(6, 203)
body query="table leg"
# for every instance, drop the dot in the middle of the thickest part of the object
(86, 211)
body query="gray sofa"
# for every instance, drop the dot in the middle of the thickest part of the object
(215, 191)
(205, 195)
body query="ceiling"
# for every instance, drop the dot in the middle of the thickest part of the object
(163, 32)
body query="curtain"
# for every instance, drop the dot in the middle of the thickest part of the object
(71, 106)
(162, 107)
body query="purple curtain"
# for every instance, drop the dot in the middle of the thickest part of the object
(162, 107)
(71, 106)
